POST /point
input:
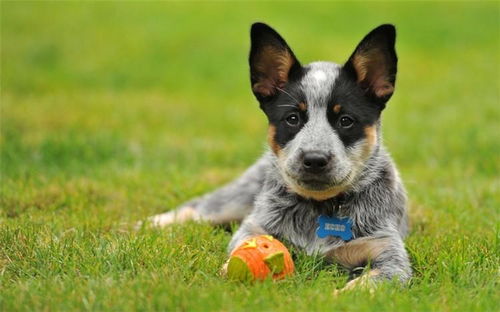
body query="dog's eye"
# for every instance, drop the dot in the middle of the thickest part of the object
(293, 119)
(346, 122)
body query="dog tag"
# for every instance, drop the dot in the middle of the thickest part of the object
(333, 226)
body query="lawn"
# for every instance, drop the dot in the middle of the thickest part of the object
(112, 112)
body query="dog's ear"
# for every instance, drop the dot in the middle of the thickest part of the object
(272, 62)
(374, 63)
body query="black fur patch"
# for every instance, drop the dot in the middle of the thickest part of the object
(280, 108)
(355, 104)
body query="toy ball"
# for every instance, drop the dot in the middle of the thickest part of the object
(258, 258)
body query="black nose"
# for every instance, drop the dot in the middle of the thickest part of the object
(315, 161)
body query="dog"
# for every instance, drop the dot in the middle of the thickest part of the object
(326, 184)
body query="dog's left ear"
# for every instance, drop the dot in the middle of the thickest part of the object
(374, 63)
(272, 62)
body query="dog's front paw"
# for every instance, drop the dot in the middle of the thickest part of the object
(180, 215)
(365, 281)
(223, 270)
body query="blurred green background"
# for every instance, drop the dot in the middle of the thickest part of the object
(111, 112)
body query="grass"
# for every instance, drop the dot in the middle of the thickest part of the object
(112, 112)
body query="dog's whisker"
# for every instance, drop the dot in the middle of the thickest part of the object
(293, 98)
(287, 105)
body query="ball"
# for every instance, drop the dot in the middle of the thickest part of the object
(259, 258)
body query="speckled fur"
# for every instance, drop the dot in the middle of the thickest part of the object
(266, 200)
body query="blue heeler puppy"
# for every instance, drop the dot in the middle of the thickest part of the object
(326, 170)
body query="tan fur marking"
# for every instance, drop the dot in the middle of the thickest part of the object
(271, 133)
(265, 88)
(371, 139)
(360, 65)
(274, 65)
(384, 89)
(317, 195)
(358, 252)
(369, 67)
(303, 106)
(371, 135)
(337, 108)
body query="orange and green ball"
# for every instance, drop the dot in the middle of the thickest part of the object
(258, 258)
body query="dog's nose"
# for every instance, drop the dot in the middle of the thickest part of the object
(315, 161)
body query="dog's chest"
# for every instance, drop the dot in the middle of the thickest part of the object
(314, 230)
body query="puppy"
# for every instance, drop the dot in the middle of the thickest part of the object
(326, 185)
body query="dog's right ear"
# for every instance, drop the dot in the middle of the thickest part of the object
(272, 62)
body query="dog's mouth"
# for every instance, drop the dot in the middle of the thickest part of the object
(315, 184)
(318, 188)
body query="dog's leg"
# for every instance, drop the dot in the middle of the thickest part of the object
(386, 255)
(247, 230)
(229, 203)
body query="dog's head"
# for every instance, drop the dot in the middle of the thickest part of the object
(323, 117)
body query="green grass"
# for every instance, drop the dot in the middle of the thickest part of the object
(112, 112)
